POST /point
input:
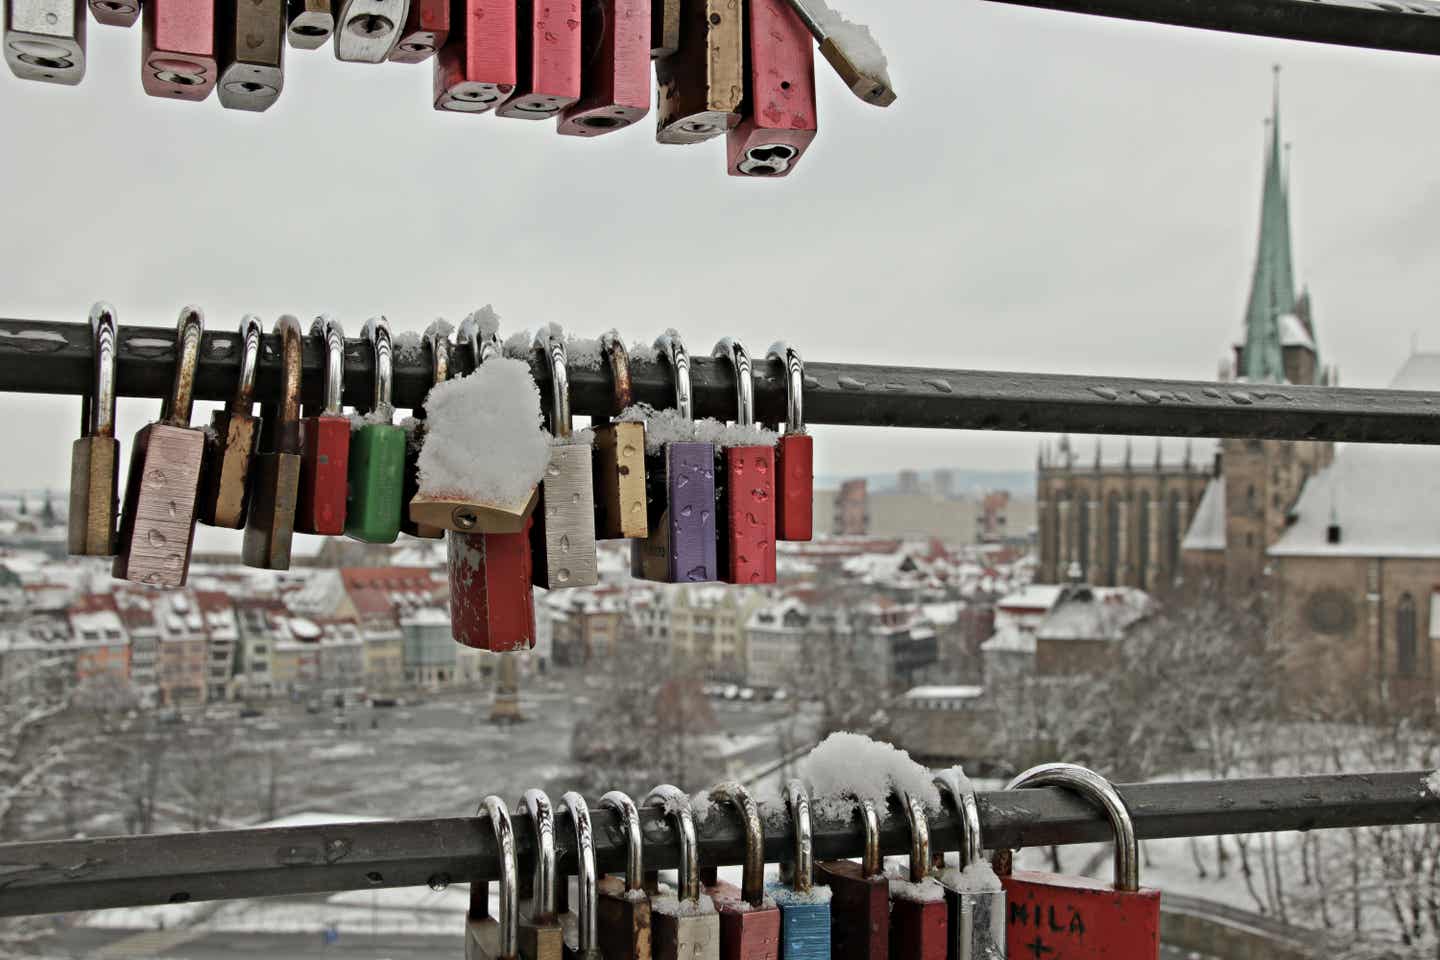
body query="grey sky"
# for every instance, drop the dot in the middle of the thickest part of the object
(1051, 192)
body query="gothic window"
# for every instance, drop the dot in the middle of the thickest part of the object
(1405, 636)
(1083, 550)
(1143, 556)
(1112, 539)
(1173, 536)
(1052, 535)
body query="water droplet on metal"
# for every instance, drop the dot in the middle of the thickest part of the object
(439, 882)
(155, 538)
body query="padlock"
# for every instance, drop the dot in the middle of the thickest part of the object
(377, 455)
(794, 454)
(804, 907)
(311, 22)
(702, 82)
(427, 25)
(778, 120)
(860, 896)
(271, 524)
(230, 442)
(45, 40)
(620, 511)
(547, 44)
(177, 58)
(540, 935)
(115, 13)
(95, 457)
(250, 51)
(437, 342)
(581, 930)
(683, 927)
(1075, 917)
(745, 487)
(867, 86)
(476, 69)
(367, 30)
(564, 530)
(917, 909)
(974, 899)
(622, 908)
(157, 523)
(664, 28)
(680, 495)
(325, 443)
(749, 921)
(488, 938)
(615, 68)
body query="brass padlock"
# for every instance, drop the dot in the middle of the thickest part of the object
(157, 525)
(230, 442)
(702, 83)
(623, 909)
(620, 511)
(487, 938)
(438, 342)
(683, 927)
(95, 457)
(271, 526)
(540, 935)
(564, 532)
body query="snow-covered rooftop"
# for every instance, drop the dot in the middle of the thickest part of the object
(1293, 332)
(944, 693)
(1036, 596)
(1207, 527)
(1094, 613)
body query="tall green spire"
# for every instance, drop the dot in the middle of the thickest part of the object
(1272, 291)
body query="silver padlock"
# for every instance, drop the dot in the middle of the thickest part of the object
(486, 937)
(45, 40)
(540, 935)
(683, 927)
(581, 927)
(366, 30)
(974, 901)
(563, 536)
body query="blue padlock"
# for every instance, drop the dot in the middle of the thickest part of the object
(804, 907)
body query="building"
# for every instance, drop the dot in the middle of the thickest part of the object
(851, 510)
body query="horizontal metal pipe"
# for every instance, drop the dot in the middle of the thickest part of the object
(66, 875)
(54, 358)
(1351, 23)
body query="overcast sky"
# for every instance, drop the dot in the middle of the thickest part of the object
(1051, 192)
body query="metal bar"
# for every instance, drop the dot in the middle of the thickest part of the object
(38, 357)
(71, 875)
(1411, 27)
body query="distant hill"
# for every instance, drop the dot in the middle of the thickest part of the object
(1020, 482)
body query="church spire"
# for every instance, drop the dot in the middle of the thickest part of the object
(1272, 291)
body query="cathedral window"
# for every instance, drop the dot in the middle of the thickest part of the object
(1405, 636)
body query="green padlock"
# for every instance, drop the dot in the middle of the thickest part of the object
(377, 455)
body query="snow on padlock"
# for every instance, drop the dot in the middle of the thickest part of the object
(684, 926)
(917, 914)
(860, 896)
(1076, 917)
(622, 912)
(564, 532)
(974, 898)
(804, 907)
(745, 486)
(749, 920)
(794, 454)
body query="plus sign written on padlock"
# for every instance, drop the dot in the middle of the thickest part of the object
(1038, 949)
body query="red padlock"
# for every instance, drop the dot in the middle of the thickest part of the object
(547, 42)
(747, 489)
(778, 117)
(177, 59)
(917, 908)
(1075, 917)
(749, 923)
(492, 606)
(325, 444)
(615, 72)
(476, 70)
(794, 454)
(427, 26)
(860, 904)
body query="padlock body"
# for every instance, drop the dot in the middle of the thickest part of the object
(620, 509)
(1079, 918)
(157, 524)
(476, 69)
(622, 925)
(804, 924)
(681, 547)
(178, 49)
(366, 30)
(311, 22)
(482, 939)
(564, 529)
(45, 40)
(859, 910)
(615, 69)
(746, 932)
(747, 512)
(685, 938)
(701, 84)
(224, 484)
(779, 120)
(976, 924)
(545, 941)
(115, 13)
(548, 59)
(427, 25)
(795, 479)
(408, 525)
(917, 930)
(94, 479)
(269, 529)
(324, 463)
(492, 606)
(664, 28)
(376, 483)
(251, 53)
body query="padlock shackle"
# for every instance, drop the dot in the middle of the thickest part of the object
(734, 351)
(961, 791)
(797, 801)
(783, 351)
(549, 342)
(752, 876)
(671, 349)
(624, 808)
(677, 805)
(377, 331)
(333, 334)
(251, 330)
(872, 864)
(1102, 794)
(509, 917)
(189, 331)
(439, 342)
(542, 819)
(292, 355)
(484, 344)
(919, 837)
(614, 352)
(586, 879)
(97, 417)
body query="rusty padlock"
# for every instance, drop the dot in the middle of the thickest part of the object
(794, 454)
(325, 455)
(620, 511)
(917, 908)
(230, 442)
(860, 908)
(270, 528)
(749, 920)
(745, 487)
(95, 456)
(701, 83)
(623, 907)
(486, 937)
